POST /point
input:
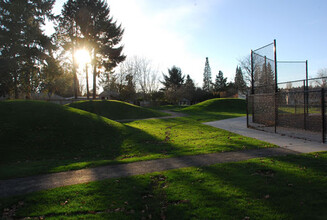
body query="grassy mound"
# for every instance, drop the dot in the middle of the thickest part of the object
(40, 137)
(216, 109)
(116, 110)
(40, 131)
(219, 105)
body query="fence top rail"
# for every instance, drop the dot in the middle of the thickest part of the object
(300, 80)
(291, 61)
(324, 77)
(263, 57)
(299, 91)
(262, 94)
(264, 46)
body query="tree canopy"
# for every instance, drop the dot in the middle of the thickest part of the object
(220, 82)
(207, 77)
(88, 24)
(174, 79)
(24, 49)
(239, 80)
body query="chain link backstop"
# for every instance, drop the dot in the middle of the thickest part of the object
(295, 108)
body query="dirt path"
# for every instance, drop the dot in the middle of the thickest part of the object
(48, 181)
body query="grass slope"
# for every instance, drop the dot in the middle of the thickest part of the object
(116, 110)
(44, 134)
(291, 187)
(186, 136)
(216, 109)
(40, 137)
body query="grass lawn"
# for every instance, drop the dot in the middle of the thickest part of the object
(40, 137)
(298, 110)
(215, 109)
(116, 110)
(290, 187)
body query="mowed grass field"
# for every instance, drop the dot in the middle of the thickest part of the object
(40, 137)
(289, 187)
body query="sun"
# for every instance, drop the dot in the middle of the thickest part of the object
(82, 57)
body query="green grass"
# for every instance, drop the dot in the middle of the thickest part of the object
(298, 110)
(290, 187)
(216, 109)
(116, 110)
(40, 137)
(186, 136)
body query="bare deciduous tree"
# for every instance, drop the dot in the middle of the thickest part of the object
(322, 74)
(144, 74)
(245, 64)
(147, 76)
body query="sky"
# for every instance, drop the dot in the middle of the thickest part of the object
(184, 32)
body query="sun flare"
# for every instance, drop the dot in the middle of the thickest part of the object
(82, 57)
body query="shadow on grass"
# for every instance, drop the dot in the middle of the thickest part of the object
(130, 145)
(226, 191)
(139, 197)
(100, 141)
(288, 187)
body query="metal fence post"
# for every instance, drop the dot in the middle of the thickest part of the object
(252, 77)
(307, 87)
(247, 110)
(252, 86)
(276, 111)
(323, 114)
(304, 105)
(276, 86)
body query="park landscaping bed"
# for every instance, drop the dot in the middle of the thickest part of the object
(288, 187)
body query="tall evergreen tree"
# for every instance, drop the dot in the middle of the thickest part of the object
(174, 79)
(207, 77)
(88, 22)
(23, 46)
(189, 88)
(173, 85)
(239, 80)
(220, 82)
(267, 79)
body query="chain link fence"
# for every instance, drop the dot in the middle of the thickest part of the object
(295, 108)
(263, 69)
(291, 112)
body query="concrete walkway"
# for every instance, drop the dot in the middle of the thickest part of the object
(36, 183)
(238, 125)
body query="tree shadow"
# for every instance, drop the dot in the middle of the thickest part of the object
(288, 186)
(137, 197)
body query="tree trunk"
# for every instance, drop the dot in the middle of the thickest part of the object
(87, 82)
(94, 76)
(15, 86)
(75, 76)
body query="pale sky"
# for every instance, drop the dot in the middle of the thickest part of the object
(185, 32)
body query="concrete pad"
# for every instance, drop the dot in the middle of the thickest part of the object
(238, 126)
